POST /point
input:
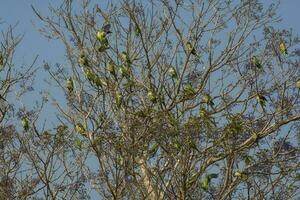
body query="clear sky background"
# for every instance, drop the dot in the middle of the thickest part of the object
(19, 12)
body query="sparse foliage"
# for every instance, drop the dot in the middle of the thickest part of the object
(168, 100)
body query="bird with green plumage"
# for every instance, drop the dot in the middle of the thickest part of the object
(25, 123)
(172, 72)
(118, 99)
(125, 57)
(298, 84)
(124, 71)
(77, 143)
(151, 96)
(111, 68)
(256, 62)
(70, 85)
(1, 59)
(83, 60)
(261, 99)
(190, 48)
(89, 75)
(283, 48)
(208, 100)
(153, 149)
(80, 128)
(207, 179)
(137, 30)
(102, 37)
(189, 91)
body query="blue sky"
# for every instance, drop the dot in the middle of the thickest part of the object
(19, 12)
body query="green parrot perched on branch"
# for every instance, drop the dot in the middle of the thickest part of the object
(153, 149)
(83, 61)
(124, 71)
(283, 48)
(111, 68)
(298, 84)
(101, 36)
(118, 99)
(206, 181)
(172, 72)
(70, 85)
(189, 91)
(102, 33)
(1, 59)
(208, 100)
(25, 124)
(190, 48)
(152, 97)
(125, 57)
(256, 62)
(262, 101)
(80, 129)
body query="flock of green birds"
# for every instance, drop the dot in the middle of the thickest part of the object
(124, 70)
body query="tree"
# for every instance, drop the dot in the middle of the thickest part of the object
(171, 100)
(15, 80)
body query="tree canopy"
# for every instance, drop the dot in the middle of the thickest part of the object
(162, 99)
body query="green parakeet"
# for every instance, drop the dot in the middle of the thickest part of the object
(80, 129)
(70, 85)
(172, 72)
(120, 160)
(1, 59)
(211, 176)
(90, 75)
(124, 71)
(24, 122)
(111, 68)
(298, 84)
(101, 36)
(283, 48)
(102, 48)
(153, 149)
(240, 174)
(190, 48)
(125, 57)
(256, 62)
(137, 30)
(262, 101)
(152, 97)
(83, 61)
(77, 143)
(208, 100)
(189, 90)
(119, 99)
